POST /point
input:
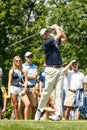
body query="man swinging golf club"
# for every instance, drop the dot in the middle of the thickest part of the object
(53, 71)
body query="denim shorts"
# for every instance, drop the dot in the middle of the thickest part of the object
(15, 90)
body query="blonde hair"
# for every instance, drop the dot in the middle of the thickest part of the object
(14, 59)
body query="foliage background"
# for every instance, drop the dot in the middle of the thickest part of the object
(22, 18)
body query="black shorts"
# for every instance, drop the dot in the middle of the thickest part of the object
(1, 100)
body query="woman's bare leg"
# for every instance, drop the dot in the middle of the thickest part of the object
(15, 105)
(26, 102)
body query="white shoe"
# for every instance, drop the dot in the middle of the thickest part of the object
(38, 115)
(54, 118)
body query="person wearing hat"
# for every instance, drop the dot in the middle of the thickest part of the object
(75, 82)
(32, 80)
(53, 70)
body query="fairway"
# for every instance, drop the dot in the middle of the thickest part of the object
(43, 125)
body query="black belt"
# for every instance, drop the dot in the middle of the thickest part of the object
(72, 90)
(30, 86)
(54, 66)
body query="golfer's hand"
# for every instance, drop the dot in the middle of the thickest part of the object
(54, 27)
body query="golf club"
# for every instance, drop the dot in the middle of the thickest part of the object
(7, 48)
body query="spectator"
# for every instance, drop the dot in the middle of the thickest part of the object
(32, 80)
(75, 81)
(50, 109)
(17, 85)
(3, 95)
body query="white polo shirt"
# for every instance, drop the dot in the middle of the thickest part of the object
(75, 80)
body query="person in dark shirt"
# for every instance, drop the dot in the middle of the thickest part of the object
(17, 87)
(53, 71)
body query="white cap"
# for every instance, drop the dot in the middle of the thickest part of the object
(28, 53)
(43, 30)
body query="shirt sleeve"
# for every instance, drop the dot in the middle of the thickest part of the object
(58, 42)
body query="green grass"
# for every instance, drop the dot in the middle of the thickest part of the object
(42, 125)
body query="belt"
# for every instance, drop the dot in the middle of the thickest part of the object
(72, 90)
(54, 66)
(30, 86)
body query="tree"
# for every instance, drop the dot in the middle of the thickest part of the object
(18, 20)
(22, 18)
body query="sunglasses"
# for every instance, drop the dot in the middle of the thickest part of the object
(46, 32)
(30, 56)
(17, 60)
(75, 63)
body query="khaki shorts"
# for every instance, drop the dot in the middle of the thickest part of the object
(69, 99)
(32, 97)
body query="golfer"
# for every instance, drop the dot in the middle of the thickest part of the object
(53, 71)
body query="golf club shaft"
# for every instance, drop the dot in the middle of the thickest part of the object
(23, 39)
